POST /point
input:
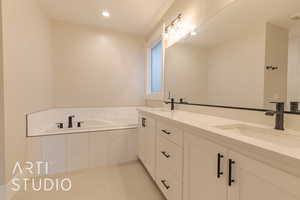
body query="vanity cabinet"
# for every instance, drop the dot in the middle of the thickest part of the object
(189, 164)
(256, 180)
(169, 160)
(204, 169)
(216, 173)
(147, 143)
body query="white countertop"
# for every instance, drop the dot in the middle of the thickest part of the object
(282, 147)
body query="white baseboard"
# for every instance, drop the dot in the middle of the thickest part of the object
(3, 192)
(7, 191)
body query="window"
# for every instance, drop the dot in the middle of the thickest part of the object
(156, 67)
(155, 70)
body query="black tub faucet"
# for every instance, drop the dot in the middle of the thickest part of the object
(70, 121)
(279, 124)
(294, 106)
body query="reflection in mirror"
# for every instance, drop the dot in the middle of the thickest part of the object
(246, 56)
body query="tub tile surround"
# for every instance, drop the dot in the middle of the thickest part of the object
(283, 156)
(53, 151)
(40, 122)
(68, 153)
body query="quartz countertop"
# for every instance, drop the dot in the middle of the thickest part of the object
(278, 148)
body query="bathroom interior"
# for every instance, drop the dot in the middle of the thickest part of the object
(150, 100)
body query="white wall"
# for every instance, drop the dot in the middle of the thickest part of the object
(97, 67)
(236, 71)
(186, 72)
(294, 64)
(27, 72)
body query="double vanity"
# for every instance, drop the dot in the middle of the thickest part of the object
(192, 156)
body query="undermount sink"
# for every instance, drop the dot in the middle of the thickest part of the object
(164, 110)
(286, 138)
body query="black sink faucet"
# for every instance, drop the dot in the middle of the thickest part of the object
(172, 103)
(279, 124)
(70, 121)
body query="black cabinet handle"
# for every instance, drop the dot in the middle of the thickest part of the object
(144, 122)
(166, 132)
(219, 173)
(230, 179)
(164, 182)
(166, 154)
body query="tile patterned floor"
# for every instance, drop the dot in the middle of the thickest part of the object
(124, 182)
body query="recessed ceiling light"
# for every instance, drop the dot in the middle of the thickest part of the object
(105, 13)
(193, 33)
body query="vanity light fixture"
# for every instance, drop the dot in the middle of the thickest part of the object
(177, 29)
(105, 13)
(295, 16)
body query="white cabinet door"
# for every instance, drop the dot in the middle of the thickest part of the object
(141, 140)
(254, 180)
(147, 143)
(201, 181)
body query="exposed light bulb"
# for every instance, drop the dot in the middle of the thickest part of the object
(105, 13)
(193, 33)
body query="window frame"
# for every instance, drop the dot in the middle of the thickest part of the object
(149, 94)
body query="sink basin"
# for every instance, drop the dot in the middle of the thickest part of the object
(165, 110)
(284, 138)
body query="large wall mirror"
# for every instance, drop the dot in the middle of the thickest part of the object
(246, 56)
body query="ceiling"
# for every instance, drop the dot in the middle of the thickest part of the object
(131, 16)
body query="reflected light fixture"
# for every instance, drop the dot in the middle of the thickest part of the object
(177, 29)
(105, 13)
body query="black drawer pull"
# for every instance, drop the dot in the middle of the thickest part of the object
(164, 182)
(166, 132)
(166, 154)
(219, 173)
(144, 122)
(230, 179)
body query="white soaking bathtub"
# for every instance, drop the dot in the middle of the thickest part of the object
(93, 119)
(108, 136)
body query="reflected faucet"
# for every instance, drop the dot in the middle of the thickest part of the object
(70, 121)
(279, 124)
(182, 100)
(172, 104)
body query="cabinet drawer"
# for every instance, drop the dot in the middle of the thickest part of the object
(170, 187)
(170, 132)
(169, 158)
